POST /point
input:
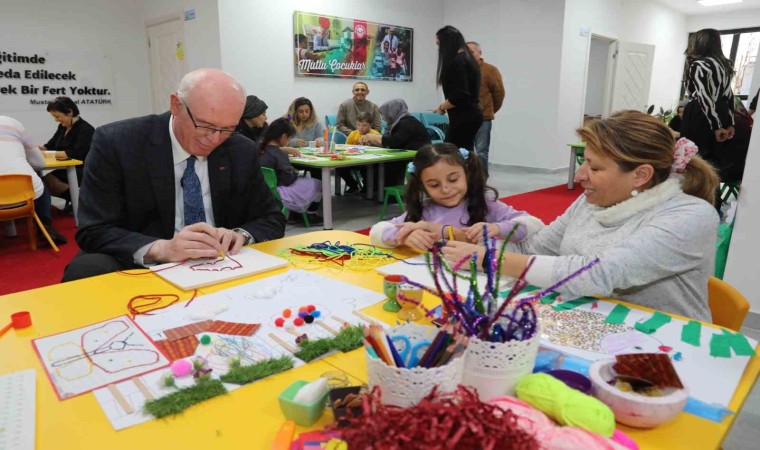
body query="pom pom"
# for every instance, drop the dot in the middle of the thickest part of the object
(286, 313)
(315, 314)
(205, 339)
(279, 322)
(303, 314)
(566, 405)
(311, 308)
(303, 309)
(308, 318)
(298, 321)
(182, 368)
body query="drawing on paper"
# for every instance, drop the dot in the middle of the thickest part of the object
(215, 264)
(84, 359)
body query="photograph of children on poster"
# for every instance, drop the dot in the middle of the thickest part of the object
(328, 46)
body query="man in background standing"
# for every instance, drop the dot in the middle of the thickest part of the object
(491, 98)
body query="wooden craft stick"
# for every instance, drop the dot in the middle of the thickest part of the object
(365, 317)
(285, 345)
(327, 327)
(142, 387)
(343, 322)
(292, 331)
(120, 399)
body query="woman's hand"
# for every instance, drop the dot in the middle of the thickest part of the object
(371, 139)
(455, 251)
(440, 109)
(474, 233)
(722, 134)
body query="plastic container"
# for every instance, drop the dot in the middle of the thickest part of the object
(304, 414)
(341, 412)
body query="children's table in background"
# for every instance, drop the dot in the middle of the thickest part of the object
(248, 417)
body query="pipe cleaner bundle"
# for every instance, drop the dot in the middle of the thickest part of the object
(359, 257)
(482, 313)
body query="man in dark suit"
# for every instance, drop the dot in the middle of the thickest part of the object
(169, 187)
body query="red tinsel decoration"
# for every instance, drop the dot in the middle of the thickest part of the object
(456, 421)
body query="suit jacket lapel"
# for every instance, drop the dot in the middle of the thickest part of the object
(158, 156)
(219, 177)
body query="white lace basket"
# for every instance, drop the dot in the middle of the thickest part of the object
(494, 368)
(406, 387)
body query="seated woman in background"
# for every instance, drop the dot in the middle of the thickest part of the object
(304, 118)
(298, 194)
(646, 214)
(19, 156)
(254, 119)
(72, 139)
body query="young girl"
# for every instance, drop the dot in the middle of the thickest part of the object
(457, 205)
(298, 194)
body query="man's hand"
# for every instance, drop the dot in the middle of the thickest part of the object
(199, 240)
(474, 233)
(455, 251)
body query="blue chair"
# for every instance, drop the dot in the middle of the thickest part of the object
(331, 120)
(436, 120)
(435, 133)
(418, 116)
(339, 137)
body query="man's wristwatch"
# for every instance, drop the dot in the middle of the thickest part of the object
(248, 238)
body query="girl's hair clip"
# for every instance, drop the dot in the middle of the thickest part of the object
(289, 118)
(410, 168)
(464, 152)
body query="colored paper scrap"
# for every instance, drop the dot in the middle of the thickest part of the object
(653, 324)
(233, 328)
(574, 303)
(715, 413)
(181, 348)
(691, 333)
(720, 346)
(187, 330)
(618, 314)
(740, 344)
(549, 298)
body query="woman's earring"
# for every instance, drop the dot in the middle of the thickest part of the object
(634, 193)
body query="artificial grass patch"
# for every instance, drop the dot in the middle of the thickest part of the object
(346, 340)
(184, 398)
(246, 374)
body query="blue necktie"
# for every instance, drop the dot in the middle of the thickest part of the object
(191, 193)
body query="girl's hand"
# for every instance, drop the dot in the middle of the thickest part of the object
(420, 240)
(455, 251)
(406, 228)
(474, 233)
(291, 151)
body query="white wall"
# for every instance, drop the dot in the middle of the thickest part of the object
(524, 129)
(112, 27)
(597, 77)
(201, 34)
(257, 48)
(724, 21)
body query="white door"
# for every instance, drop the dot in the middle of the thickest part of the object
(632, 76)
(167, 61)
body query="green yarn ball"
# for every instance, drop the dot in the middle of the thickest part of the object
(566, 405)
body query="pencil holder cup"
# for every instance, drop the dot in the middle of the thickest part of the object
(409, 297)
(304, 414)
(494, 368)
(390, 285)
(406, 387)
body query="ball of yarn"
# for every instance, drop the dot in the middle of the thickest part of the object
(181, 368)
(529, 419)
(571, 438)
(566, 405)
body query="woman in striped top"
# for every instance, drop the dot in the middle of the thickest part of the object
(708, 119)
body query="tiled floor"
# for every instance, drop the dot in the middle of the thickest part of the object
(354, 213)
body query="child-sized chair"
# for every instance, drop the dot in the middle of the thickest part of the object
(271, 179)
(728, 306)
(17, 202)
(396, 192)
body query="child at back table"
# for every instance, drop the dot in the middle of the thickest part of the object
(458, 202)
(363, 126)
(298, 194)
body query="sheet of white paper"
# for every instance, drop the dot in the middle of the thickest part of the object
(195, 273)
(419, 273)
(97, 355)
(18, 395)
(583, 332)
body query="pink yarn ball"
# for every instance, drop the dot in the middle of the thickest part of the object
(625, 440)
(571, 438)
(182, 368)
(529, 419)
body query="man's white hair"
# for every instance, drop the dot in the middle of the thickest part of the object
(191, 80)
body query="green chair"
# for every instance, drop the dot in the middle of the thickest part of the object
(579, 155)
(271, 179)
(396, 192)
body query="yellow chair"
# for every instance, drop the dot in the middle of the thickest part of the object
(17, 202)
(727, 305)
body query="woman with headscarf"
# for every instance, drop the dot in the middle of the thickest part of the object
(254, 119)
(404, 131)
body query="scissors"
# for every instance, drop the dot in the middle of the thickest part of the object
(410, 354)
